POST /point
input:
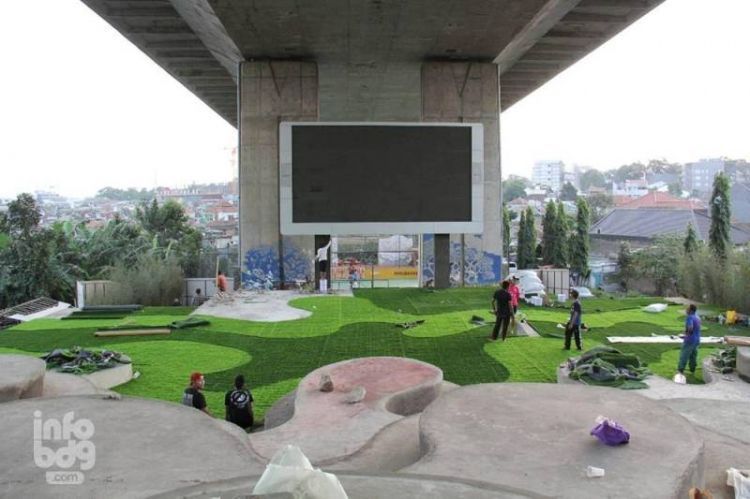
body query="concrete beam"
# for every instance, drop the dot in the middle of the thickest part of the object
(201, 72)
(629, 4)
(543, 21)
(186, 54)
(160, 30)
(200, 16)
(150, 13)
(212, 64)
(177, 44)
(584, 17)
(574, 33)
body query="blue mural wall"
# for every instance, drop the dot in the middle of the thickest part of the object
(262, 267)
(480, 267)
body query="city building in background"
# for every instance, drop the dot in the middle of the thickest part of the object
(549, 174)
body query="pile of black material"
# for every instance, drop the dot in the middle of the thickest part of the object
(409, 325)
(725, 359)
(79, 360)
(188, 323)
(607, 366)
(478, 321)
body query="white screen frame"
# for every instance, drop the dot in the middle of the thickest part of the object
(290, 228)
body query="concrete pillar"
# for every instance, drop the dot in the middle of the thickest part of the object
(270, 92)
(470, 92)
(442, 261)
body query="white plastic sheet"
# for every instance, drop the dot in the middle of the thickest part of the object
(740, 481)
(290, 471)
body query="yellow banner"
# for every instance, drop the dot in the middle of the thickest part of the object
(365, 272)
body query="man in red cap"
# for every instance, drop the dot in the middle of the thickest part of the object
(192, 397)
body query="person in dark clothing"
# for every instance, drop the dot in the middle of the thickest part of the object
(691, 341)
(239, 404)
(503, 309)
(573, 328)
(192, 396)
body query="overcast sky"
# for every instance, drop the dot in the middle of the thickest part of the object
(82, 108)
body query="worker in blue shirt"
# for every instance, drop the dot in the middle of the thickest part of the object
(691, 341)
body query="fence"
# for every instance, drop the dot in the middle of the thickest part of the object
(90, 293)
(556, 281)
(207, 285)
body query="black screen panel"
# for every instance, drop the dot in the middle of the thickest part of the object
(381, 174)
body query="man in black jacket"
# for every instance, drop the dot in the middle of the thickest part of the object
(503, 310)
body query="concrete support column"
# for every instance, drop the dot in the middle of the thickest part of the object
(270, 92)
(470, 92)
(442, 261)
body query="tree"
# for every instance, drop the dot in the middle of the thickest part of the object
(592, 178)
(625, 264)
(130, 194)
(35, 261)
(526, 240)
(675, 188)
(23, 216)
(562, 229)
(721, 215)
(549, 233)
(529, 239)
(555, 235)
(690, 245)
(521, 252)
(632, 171)
(579, 247)
(514, 187)
(506, 231)
(663, 166)
(167, 224)
(660, 263)
(568, 192)
(600, 204)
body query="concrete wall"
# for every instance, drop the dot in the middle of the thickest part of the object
(270, 92)
(470, 92)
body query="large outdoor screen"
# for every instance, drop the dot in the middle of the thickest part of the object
(374, 178)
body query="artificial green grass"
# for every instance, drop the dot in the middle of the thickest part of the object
(275, 356)
(533, 360)
(165, 372)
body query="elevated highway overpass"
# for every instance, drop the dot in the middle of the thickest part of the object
(259, 62)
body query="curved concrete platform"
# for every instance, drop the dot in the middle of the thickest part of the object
(359, 485)
(271, 306)
(64, 384)
(536, 436)
(112, 377)
(727, 441)
(143, 447)
(328, 429)
(21, 377)
(743, 363)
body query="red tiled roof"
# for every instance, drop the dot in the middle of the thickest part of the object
(656, 199)
(621, 200)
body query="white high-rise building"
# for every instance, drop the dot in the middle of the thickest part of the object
(549, 174)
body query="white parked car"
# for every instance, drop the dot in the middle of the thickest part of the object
(583, 292)
(529, 283)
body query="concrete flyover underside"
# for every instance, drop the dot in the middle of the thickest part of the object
(202, 42)
(263, 62)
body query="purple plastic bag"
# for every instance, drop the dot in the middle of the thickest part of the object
(609, 432)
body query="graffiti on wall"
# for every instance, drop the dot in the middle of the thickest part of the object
(262, 266)
(480, 267)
